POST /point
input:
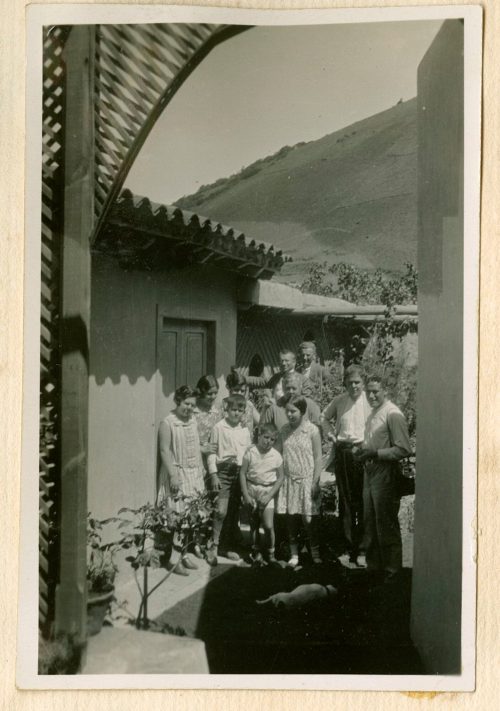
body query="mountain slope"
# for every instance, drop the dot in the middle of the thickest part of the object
(349, 196)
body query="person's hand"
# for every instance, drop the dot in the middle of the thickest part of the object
(365, 455)
(331, 437)
(208, 448)
(214, 482)
(174, 484)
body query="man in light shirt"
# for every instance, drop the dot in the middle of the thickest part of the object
(343, 420)
(386, 442)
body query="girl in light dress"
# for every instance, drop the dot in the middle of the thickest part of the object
(181, 470)
(299, 496)
(236, 383)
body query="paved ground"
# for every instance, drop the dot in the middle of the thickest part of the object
(364, 630)
(118, 650)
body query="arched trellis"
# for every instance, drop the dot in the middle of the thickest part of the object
(134, 64)
(109, 83)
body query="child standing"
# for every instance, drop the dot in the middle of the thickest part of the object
(181, 470)
(236, 383)
(231, 440)
(261, 476)
(299, 497)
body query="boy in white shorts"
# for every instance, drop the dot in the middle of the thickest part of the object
(261, 476)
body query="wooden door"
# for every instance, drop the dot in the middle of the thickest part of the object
(182, 357)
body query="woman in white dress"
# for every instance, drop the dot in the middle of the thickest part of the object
(181, 471)
(299, 497)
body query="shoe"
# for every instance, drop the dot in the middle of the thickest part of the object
(230, 555)
(361, 560)
(197, 552)
(180, 569)
(256, 557)
(189, 564)
(316, 559)
(293, 562)
(211, 556)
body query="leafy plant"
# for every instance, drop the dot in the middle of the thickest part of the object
(59, 656)
(187, 522)
(378, 349)
(329, 498)
(101, 566)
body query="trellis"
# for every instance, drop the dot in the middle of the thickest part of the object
(136, 71)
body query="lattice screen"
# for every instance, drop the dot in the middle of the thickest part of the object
(137, 70)
(52, 228)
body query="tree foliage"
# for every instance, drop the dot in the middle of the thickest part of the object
(380, 348)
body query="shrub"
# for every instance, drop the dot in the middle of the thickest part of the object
(380, 351)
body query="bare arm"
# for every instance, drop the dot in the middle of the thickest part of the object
(212, 460)
(318, 462)
(279, 481)
(327, 420)
(243, 481)
(317, 455)
(166, 457)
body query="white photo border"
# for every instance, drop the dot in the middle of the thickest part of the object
(27, 646)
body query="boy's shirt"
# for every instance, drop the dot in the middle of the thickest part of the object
(231, 442)
(262, 468)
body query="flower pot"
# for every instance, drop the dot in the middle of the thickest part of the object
(97, 607)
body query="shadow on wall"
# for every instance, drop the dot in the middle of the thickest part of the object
(126, 307)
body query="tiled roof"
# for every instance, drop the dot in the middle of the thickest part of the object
(145, 235)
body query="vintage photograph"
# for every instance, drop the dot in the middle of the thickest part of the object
(255, 249)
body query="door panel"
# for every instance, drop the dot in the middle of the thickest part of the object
(167, 360)
(181, 358)
(195, 347)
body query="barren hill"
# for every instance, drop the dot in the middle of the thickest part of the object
(349, 196)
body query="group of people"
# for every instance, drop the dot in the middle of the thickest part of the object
(271, 461)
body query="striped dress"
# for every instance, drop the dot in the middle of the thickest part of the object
(294, 497)
(185, 449)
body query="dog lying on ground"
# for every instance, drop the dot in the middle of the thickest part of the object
(300, 596)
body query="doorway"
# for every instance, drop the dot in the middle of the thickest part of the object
(185, 351)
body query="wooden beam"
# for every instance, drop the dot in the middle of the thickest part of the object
(70, 615)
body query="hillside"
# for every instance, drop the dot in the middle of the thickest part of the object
(349, 196)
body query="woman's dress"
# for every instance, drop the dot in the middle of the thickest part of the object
(185, 450)
(295, 495)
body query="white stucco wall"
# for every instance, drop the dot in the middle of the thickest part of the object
(122, 397)
(437, 568)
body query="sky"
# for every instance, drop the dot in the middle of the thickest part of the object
(274, 86)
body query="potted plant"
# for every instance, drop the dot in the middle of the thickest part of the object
(101, 571)
(153, 530)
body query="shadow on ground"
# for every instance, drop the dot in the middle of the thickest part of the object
(363, 630)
